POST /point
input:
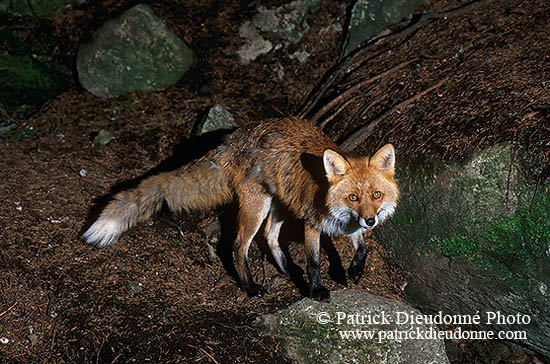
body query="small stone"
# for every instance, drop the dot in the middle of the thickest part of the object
(6, 126)
(274, 28)
(218, 118)
(301, 56)
(123, 267)
(212, 253)
(33, 339)
(212, 229)
(255, 45)
(134, 287)
(104, 137)
(543, 288)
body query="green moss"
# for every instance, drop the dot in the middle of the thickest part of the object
(505, 236)
(402, 220)
(28, 73)
(28, 81)
(537, 221)
(455, 246)
(510, 247)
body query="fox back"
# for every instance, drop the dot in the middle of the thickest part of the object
(294, 161)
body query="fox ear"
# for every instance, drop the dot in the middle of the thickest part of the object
(384, 158)
(335, 164)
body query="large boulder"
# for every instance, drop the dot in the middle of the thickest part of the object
(370, 17)
(354, 327)
(135, 52)
(475, 237)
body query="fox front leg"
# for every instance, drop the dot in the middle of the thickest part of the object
(355, 270)
(316, 289)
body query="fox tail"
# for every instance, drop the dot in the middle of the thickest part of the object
(198, 185)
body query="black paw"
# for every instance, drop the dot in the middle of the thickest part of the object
(319, 293)
(355, 272)
(255, 290)
(283, 271)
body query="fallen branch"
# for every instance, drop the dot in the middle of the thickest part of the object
(424, 18)
(349, 63)
(364, 132)
(342, 107)
(361, 111)
(354, 88)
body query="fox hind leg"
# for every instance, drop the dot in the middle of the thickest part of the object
(272, 230)
(254, 205)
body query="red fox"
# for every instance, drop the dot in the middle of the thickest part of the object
(278, 166)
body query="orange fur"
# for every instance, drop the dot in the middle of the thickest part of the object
(281, 162)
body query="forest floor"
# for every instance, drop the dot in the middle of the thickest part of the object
(162, 294)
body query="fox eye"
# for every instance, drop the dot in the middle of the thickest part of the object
(353, 197)
(376, 195)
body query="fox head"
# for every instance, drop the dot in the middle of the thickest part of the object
(361, 190)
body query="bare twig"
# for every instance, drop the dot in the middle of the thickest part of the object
(204, 351)
(99, 350)
(9, 309)
(116, 358)
(364, 132)
(53, 336)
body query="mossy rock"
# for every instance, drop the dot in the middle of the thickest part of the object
(370, 17)
(311, 332)
(135, 52)
(29, 75)
(27, 81)
(475, 236)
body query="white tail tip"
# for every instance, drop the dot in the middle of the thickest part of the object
(103, 232)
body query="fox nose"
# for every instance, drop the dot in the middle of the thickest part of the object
(370, 221)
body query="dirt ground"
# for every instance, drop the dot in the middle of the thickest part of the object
(163, 294)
